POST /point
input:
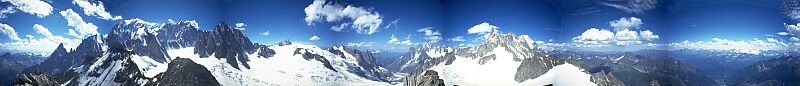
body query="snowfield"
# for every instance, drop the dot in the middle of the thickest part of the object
(149, 67)
(501, 72)
(284, 68)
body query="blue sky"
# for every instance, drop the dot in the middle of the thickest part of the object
(731, 19)
(395, 25)
(537, 18)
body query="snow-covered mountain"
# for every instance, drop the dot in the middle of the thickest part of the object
(132, 54)
(503, 59)
(68, 64)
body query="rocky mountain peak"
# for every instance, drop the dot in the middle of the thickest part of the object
(225, 42)
(179, 34)
(285, 42)
(5, 55)
(140, 37)
(91, 44)
(60, 50)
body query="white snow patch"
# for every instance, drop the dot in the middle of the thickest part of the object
(563, 75)
(149, 67)
(284, 68)
(435, 53)
(502, 70)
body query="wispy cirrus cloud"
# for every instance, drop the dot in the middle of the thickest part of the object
(632, 6)
(791, 8)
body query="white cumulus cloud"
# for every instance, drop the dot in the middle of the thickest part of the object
(482, 28)
(362, 20)
(5, 11)
(648, 35)
(626, 23)
(626, 35)
(314, 38)
(9, 31)
(431, 35)
(626, 32)
(265, 33)
(42, 30)
(594, 36)
(80, 29)
(792, 29)
(95, 9)
(35, 7)
(395, 41)
(240, 26)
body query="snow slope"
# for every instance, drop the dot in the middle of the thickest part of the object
(501, 72)
(284, 68)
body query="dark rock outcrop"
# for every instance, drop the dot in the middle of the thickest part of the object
(35, 79)
(531, 68)
(430, 78)
(225, 42)
(265, 51)
(179, 34)
(185, 72)
(366, 65)
(140, 37)
(309, 56)
(63, 65)
(603, 78)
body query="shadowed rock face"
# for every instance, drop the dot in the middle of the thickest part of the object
(139, 37)
(531, 68)
(35, 79)
(62, 64)
(225, 42)
(603, 78)
(185, 72)
(430, 78)
(366, 66)
(178, 35)
(265, 51)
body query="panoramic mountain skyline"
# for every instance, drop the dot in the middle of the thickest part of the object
(394, 42)
(36, 26)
